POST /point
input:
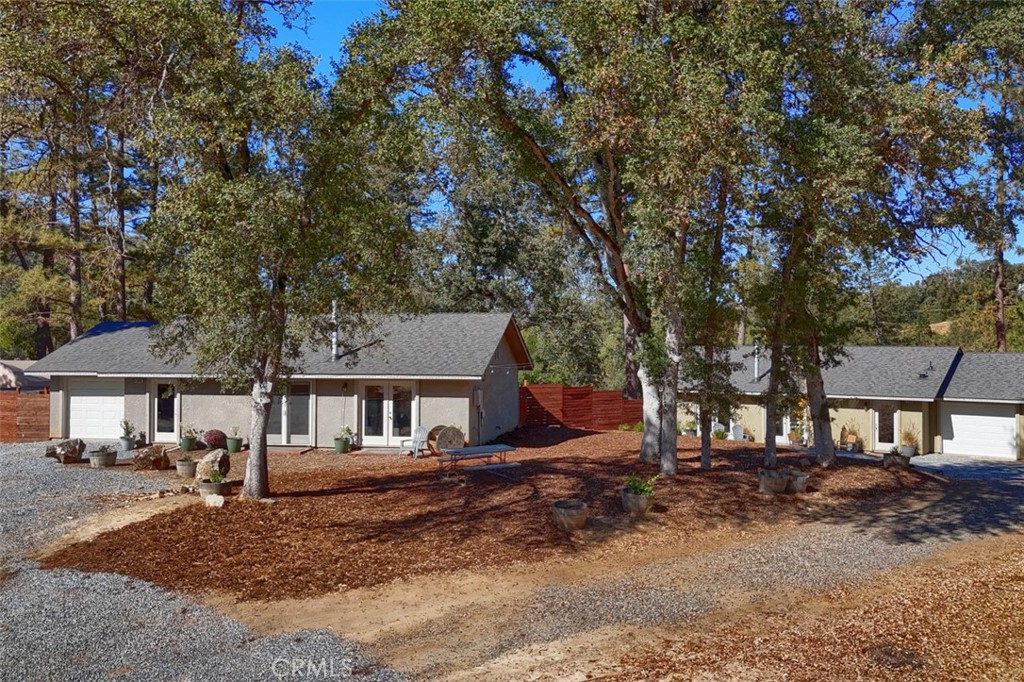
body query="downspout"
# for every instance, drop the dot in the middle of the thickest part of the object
(334, 331)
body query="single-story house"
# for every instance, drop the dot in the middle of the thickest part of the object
(452, 368)
(953, 402)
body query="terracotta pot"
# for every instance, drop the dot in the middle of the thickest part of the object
(634, 504)
(570, 515)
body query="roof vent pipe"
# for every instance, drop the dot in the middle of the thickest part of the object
(334, 331)
(757, 364)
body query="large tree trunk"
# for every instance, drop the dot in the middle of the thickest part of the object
(75, 266)
(824, 448)
(650, 446)
(669, 393)
(999, 261)
(122, 238)
(629, 337)
(771, 407)
(705, 439)
(256, 484)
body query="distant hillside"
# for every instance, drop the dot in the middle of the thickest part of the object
(950, 307)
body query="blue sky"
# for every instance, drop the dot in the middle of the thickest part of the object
(330, 20)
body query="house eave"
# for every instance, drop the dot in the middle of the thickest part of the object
(985, 400)
(341, 377)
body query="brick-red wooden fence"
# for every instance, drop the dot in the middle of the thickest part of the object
(579, 407)
(24, 417)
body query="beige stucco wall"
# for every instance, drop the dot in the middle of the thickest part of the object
(136, 407)
(750, 414)
(1020, 432)
(500, 393)
(57, 395)
(204, 407)
(913, 417)
(336, 406)
(854, 416)
(446, 402)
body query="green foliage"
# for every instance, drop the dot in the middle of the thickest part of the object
(641, 486)
(719, 434)
(216, 477)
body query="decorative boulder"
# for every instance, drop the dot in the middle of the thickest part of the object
(217, 460)
(215, 439)
(67, 451)
(214, 500)
(151, 459)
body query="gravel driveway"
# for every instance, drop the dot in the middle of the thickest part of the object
(69, 625)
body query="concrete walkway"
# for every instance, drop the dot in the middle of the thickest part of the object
(971, 468)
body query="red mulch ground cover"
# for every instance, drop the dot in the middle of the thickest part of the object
(343, 521)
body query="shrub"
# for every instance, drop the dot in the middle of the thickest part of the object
(215, 439)
(720, 434)
(641, 486)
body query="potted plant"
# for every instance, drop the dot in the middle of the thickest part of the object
(127, 439)
(214, 485)
(909, 443)
(796, 435)
(895, 459)
(186, 466)
(343, 441)
(103, 456)
(187, 439)
(234, 441)
(690, 428)
(638, 494)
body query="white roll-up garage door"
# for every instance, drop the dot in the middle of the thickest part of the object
(95, 408)
(980, 429)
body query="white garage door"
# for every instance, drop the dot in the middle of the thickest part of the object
(982, 429)
(95, 408)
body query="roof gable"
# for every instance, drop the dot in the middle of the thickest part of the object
(988, 376)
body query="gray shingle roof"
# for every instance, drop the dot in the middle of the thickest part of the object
(988, 376)
(906, 372)
(442, 344)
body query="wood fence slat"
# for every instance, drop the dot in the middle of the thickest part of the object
(578, 407)
(24, 417)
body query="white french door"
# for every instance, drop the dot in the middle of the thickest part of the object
(886, 419)
(166, 404)
(291, 416)
(388, 413)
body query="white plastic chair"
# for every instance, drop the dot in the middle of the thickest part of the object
(416, 444)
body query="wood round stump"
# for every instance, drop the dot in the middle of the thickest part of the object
(449, 438)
